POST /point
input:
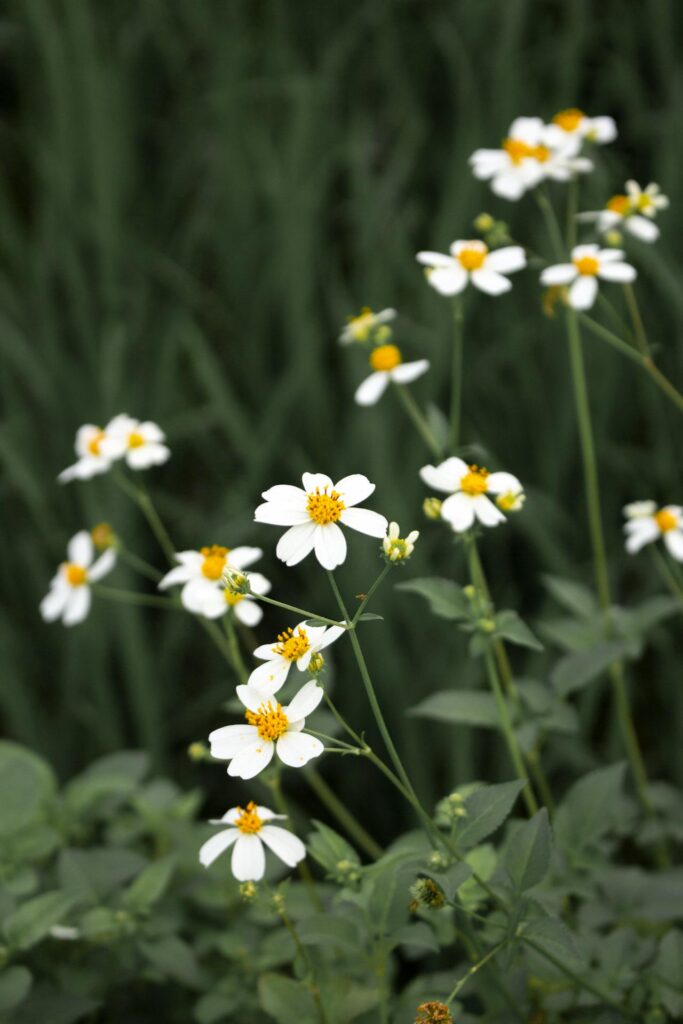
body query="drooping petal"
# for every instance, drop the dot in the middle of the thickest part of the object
(490, 282)
(621, 272)
(229, 740)
(104, 564)
(486, 512)
(365, 521)
(371, 389)
(54, 602)
(407, 372)
(305, 701)
(296, 749)
(506, 260)
(509, 184)
(248, 858)
(80, 549)
(446, 476)
(330, 544)
(284, 844)
(560, 273)
(77, 605)
(458, 510)
(354, 488)
(296, 543)
(217, 845)
(583, 291)
(252, 760)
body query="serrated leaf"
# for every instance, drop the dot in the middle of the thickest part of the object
(588, 810)
(329, 848)
(527, 855)
(510, 627)
(460, 707)
(552, 935)
(445, 597)
(487, 809)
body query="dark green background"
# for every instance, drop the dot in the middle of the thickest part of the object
(194, 196)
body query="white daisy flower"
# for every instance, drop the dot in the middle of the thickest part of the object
(472, 261)
(633, 210)
(574, 124)
(367, 326)
(588, 263)
(397, 548)
(313, 514)
(297, 645)
(69, 597)
(271, 729)
(204, 593)
(646, 524)
(387, 364)
(249, 830)
(469, 488)
(141, 444)
(519, 164)
(91, 458)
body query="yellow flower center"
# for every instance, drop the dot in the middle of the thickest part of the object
(135, 440)
(472, 257)
(95, 442)
(666, 520)
(324, 508)
(361, 325)
(248, 820)
(292, 645)
(270, 720)
(508, 502)
(540, 153)
(385, 357)
(517, 150)
(569, 120)
(618, 204)
(75, 574)
(644, 202)
(232, 599)
(474, 482)
(214, 561)
(588, 266)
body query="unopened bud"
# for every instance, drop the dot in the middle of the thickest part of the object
(235, 581)
(484, 222)
(103, 536)
(432, 508)
(614, 238)
(316, 664)
(433, 1013)
(198, 752)
(511, 501)
(428, 893)
(248, 891)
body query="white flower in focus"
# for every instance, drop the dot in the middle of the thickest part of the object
(519, 164)
(314, 513)
(249, 830)
(69, 597)
(469, 488)
(472, 261)
(387, 365)
(574, 124)
(141, 444)
(588, 264)
(646, 524)
(367, 326)
(397, 548)
(91, 458)
(271, 729)
(293, 646)
(204, 592)
(633, 210)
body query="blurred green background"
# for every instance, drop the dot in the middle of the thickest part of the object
(194, 197)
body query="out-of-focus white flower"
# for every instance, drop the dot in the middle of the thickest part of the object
(294, 646)
(470, 488)
(574, 124)
(69, 596)
(314, 513)
(91, 458)
(472, 261)
(588, 264)
(141, 444)
(519, 164)
(633, 210)
(204, 593)
(387, 365)
(397, 548)
(271, 729)
(646, 524)
(367, 326)
(249, 830)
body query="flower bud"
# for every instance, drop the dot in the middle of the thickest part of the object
(398, 549)
(484, 222)
(433, 1013)
(432, 508)
(316, 664)
(198, 752)
(235, 581)
(428, 893)
(103, 536)
(248, 891)
(511, 501)
(614, 238)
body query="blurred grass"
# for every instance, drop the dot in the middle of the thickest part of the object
(194, 197)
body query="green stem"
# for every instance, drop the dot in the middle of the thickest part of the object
(279, 903)
(298, 611)
(241, 669)
(387, 569)
(667, 574)
(546, 208)
(456, 376)
(346, 819)
(137, 563)
(581, 982)
(473, 970)
(275, 784)
(142, 499)
(211, 627)
(636, 320)
(572, 210)
(419, 422)
(509, 734)
(131, 597)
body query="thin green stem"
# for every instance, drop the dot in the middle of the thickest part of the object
(241, 669)
(636, 320)
(572, 210)
(459, 985)
(142, 499)
(346, 819)
(131, 597)
(210, 626)
(298, 611)
(411, 407)
(456, 375)
(361, 608)
(137, 563)
(279, 902)
(546, 208)
(275, 785)
(667, 573)
(581, 982)
(509, 733)
(342, 721)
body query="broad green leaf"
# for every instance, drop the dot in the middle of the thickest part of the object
(459, 707)
(417, 934)
(527, 855)
(451, 879)
(669, 971)
(487, 809)
(329, 930)
(92, 875)
(27, 785)
(575, 597)
(150, 885)
(32, 920)
(176, 959)
(286, 1000)
(46, 1004)
(331, 851)
(445, 597)
(590, 807)
(575, 671)
(552, 935)
(510, 627)
(15, 983)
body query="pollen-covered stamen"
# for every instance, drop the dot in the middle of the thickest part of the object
(385, 357)
(270, 720)
(324, 508)
(570, 119)
(587, 266)
(214, 561)
(472, 257)
(135, 440)
(76, 575)
(476, 481)
(248, 820)
(95, 442)
(666, 520)
(517, 150)
(232, 599)
(618, 204)
(291, 645)
(540, 153)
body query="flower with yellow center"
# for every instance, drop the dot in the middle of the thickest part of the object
(203, 576)
(271, 729)
(397, 548)
(141, 444)
(646, 523)
(511, 501)
(519, 163)
(249, 829)
(588, 264)
(472, 262)
(314, 514)
(368, 326)
(470, 488)
(573, 123)
(633, 211)
(92, 460)
(294, 646)
(69, 597)
(386, 362)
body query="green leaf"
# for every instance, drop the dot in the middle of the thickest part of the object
(553, 936)
(328, 930)
(510, 627)
(527, 855)
(286, 1000)
(418, 935)
(33, 920)
(575, 671)
(175, 959)
(27, 785)
(575, 597)
(445, 597)
(451, 879)
(48, 1005)
(487, 809)
(590, 808)
(371, 617)
(331, 850)
(669, 972)
(150, 885)
(15, 984)
(459, 707)
(92, 875)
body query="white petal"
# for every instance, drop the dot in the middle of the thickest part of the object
(354, 488)
(501, 483)
(286, 495)
(296, 749)
(365, 521)
(506, 260)
(148, 454)
(180, 574)
(446, 476)
(371, 389)
(313, 481)
(527, 129)
(486, 512)
(328, 637)
(582, 293)
(673, 540)
(151, 432)
(330, 543)
(276, 514)
(229, 740)
(77, 605)
(600, 129)
(251, 696)
(305, 701)
(259, 584)
(509, 184)
(251, 761)
(588, 249)
(270, 677)
(284, 844)
(622, 272)
(407, 372)
(248, 859)
(298, 542)
(243, 556)
(640, 532)
(434, 259)
(80, 549)
(217, 845)
(490, 282)
(560, 273)
(104, 564)
(485, 163)
(52, 605)
(248, 612)
(202, 597)
(448, 280)
(458, 510)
